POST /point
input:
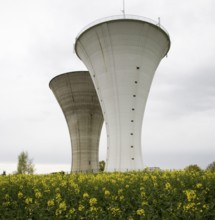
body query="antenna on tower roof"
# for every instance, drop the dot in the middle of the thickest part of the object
(159, 21)
(123, 8)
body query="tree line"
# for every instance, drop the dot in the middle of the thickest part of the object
(25, 165)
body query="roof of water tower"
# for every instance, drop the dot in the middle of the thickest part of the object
(125, 17)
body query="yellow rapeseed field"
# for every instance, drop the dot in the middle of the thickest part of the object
(166, 195)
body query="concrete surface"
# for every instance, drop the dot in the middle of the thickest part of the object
(78, 100)
(122, 56)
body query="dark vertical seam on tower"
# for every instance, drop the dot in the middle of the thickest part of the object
(103, 105)
(117, 95)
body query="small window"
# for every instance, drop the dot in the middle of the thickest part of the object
(132, 120)
(138, 67)
(132, 109)
(132, 146)
(135, 82)
(132, 158)
(134, 95)
(131, 134)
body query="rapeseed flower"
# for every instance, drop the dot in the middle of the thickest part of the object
(38, 195)
(28, 200)
(115, 211)
(72, 211)
(93, 201)
(198, 185)
(80, 207)
(50, 203)
(107, 193)
(191, 195)
(62, 206)
(20, 195)
(86, 195)
(140, 212)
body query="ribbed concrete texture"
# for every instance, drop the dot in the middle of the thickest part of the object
(122, 56)
(77, 97)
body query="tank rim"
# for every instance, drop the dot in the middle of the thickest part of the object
(126, 17)
(67, 73)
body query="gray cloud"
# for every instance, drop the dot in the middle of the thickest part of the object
(187, 93)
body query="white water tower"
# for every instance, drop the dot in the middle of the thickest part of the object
(122, 54)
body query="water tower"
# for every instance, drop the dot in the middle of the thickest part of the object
(122, 54)
(78, 100)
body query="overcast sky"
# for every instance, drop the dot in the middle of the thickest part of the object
(36, 44)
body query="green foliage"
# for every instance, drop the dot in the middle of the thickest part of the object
(133, 195)
(192, 168)
(211, 166)
(101, 166)
(25, 165)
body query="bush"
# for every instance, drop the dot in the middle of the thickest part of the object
(101, 166)
(211, 166)
(133, 195)
(192, 168)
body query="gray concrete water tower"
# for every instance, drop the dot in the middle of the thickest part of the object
(122, 54)
(78, 100)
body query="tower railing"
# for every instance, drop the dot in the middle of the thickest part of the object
(122, 17)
